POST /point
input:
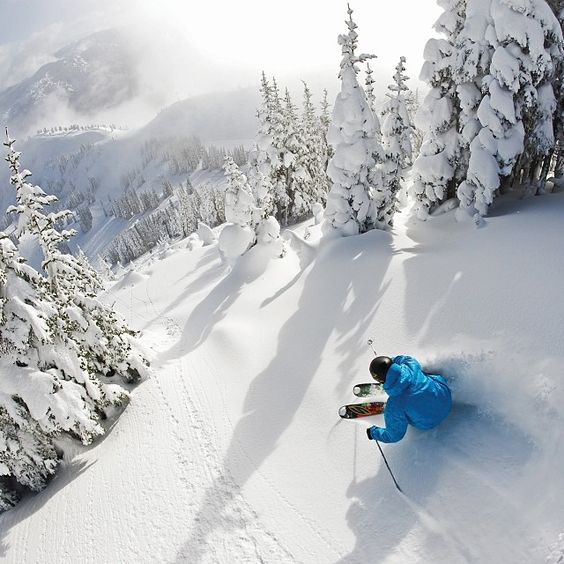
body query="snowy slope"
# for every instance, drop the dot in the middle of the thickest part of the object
(233, 451)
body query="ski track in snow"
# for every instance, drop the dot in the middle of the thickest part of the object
(226, 522)
(316, 530)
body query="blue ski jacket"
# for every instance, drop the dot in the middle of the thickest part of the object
(415, 398)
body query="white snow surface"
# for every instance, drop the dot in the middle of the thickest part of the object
(233, 451)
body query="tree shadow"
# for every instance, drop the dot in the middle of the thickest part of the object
(70, 468)
(305, 252)
(32, 502)
(471, 276)
(214, 307)
(277, 393)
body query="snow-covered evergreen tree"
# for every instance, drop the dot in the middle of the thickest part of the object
(293, 176)
(538, 116)
(104, 344)
(189, 204)
(314, 155)
(240, 205)
(558, 86)
(325, 121)
(515, 112)
(278, 155)
(413, 103)
(352, 134)
(104, 269)
(27, 454)
(326, 150)
(437, 168)
(287, 172)
(247, 223)
(56, 340)
(369, 82)
(43, 388)
(264, 158)
(471, 62)
(396, 143)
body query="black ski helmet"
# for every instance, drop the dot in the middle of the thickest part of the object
(379, 368)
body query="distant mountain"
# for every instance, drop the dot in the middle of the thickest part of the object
(221, 116)
(89, 75)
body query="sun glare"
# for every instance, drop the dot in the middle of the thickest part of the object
(294, 35)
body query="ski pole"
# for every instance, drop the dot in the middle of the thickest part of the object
(388, 467)
(370, 344)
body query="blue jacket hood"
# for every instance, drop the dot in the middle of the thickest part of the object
(404, 372)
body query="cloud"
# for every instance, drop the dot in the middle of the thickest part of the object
(183, 49)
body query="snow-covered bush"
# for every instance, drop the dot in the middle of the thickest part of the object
(235, 240)
(268, 235)
(206, 234)
(194, 242)
(318, 210)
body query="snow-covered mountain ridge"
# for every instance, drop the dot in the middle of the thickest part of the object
(89, 168)
(87, 76)
(233, 450)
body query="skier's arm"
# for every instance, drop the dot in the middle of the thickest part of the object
(396, 426)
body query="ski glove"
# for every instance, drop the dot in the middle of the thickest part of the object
(369, 433)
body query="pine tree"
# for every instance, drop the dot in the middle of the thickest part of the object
(413, 103)
(27, 453)
(292, 174)
(103, 342)
(104, 269)
(352, 134)
(282, 166)
(437, 169)
(396, 143)
(280, 157)
(314, 155)
(189, 208)
(370, 96)
(40, 370)
(515, 112)
(472, 59)
(326, 151)
(240, 205)
(558, 118)
(248, 224)
(264, 158)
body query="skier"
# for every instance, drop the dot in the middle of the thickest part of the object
(415, 398)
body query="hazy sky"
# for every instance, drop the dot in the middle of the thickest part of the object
(283, 38)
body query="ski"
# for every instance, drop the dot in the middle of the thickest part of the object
(368, 389)
(355, 410)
